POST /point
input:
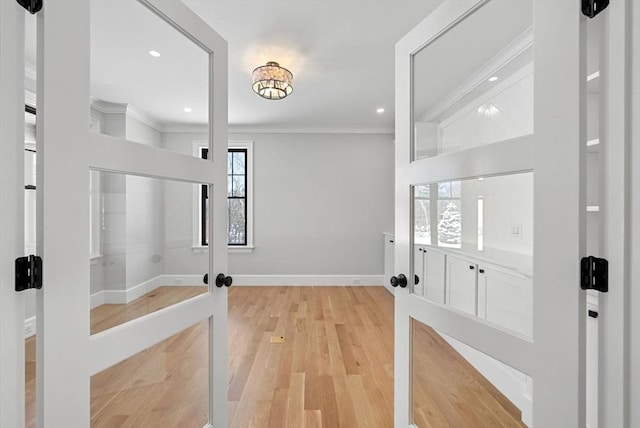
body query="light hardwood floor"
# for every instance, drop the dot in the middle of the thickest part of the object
(334, 369)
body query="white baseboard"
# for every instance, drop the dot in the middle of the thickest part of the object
(305, 280)
(29, 327)
(97, 299)
(132, 293)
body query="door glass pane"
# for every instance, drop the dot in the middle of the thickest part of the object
(473, 247)
(166, 385)
(30, 248)
(143, 234)
(471, 94)
(454, 385)
(147, 78)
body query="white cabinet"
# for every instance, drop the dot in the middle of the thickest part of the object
(418, 269)
(461, 283)
(501, 295)
(505, 298)
(434, 275)
(389, 261)
(429, 266)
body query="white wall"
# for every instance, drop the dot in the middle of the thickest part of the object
(321, 203)
(508, 200)
(144, 214)
(133, 235)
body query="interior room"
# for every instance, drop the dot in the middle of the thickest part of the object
(323, 214)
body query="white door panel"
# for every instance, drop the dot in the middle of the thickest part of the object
(12, 304)
(138, 171)
(474, 138)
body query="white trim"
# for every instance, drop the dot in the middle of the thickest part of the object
(143, 117)
(498, 89)
(105, 107)
(511, 51)
(248, 145)
(308, 280)
(613, 327)
(634, 206)
(203, 249)
(249, 130)
(97, 299)
(197, 248)
(176, 128)
(29, 327)
(138, 290)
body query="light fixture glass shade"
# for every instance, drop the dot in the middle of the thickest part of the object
(272, 81)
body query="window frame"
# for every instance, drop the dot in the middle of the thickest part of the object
(198, 210)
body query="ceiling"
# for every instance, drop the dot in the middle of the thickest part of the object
(341, 53)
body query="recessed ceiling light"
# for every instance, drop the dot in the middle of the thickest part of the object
(493, 78)
(187, 109)
(380, 110)
(154, 54)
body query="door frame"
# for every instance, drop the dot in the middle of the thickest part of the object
(616, 201)
(67, 354)
(12, 311)
(633, 377)
(561, 326)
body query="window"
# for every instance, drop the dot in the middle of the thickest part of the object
(438, 204)
(239, 197)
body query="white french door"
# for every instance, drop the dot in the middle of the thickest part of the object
(490, 153)
(135, 184)
(11, 212)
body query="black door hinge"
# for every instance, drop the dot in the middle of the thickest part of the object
(591, 8)
(594, 274)
(33, 6)
(28, 273)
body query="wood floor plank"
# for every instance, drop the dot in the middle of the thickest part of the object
(334, 369)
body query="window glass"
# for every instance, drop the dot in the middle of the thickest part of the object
(236, 198)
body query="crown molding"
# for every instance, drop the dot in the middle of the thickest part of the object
(144, 118)
(257, 130)
(105, 107)
(518, 46)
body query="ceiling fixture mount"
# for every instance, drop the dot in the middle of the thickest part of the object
(271, 81)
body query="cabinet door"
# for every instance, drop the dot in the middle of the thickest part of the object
(504, 298)
(461, 284)
(418, 269)
(434, 278)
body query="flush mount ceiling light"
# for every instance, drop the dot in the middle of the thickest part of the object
(272, 81)
(154, 54)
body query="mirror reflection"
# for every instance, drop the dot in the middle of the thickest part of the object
(455, 385)
(149, 82)
(164, 385)
(142, 247)
(473, 247)
(471, 94)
